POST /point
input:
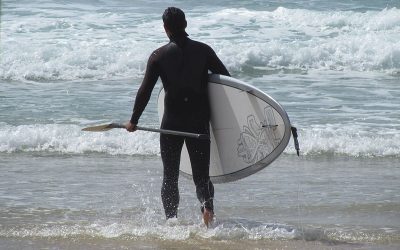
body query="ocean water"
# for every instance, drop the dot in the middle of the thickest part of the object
(333, 65)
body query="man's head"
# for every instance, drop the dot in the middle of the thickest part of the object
(174, 22)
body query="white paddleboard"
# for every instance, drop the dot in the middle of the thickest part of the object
(249, 129)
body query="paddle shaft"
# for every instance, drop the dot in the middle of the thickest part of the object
(166, 131)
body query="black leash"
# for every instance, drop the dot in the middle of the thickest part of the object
(296, 141)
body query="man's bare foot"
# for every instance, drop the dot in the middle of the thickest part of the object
(208, 216)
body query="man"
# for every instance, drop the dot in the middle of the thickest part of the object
(183, 66)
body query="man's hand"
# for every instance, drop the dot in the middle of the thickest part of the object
(130, 127)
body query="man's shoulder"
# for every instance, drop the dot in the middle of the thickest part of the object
(161, 50)
(163, 47)
(201, 46)
(157, 52)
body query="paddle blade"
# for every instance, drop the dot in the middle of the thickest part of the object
(101, 128)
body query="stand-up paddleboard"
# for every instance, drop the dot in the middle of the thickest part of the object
(249, 129)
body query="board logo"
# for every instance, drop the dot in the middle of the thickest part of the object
(258, 139)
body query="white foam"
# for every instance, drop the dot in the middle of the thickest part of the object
(287, 38)
(224, 232)
(49, 45)
(354, 141)
(70, 139)
(161, 231)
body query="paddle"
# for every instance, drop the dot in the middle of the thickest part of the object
(106, 127)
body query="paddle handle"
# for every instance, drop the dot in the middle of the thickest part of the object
(166, 131)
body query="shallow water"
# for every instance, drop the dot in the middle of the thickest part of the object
(323, 199)
(334, 67)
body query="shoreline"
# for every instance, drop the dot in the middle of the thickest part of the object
(135, 243)
(329, 200)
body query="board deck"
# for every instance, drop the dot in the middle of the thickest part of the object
(249, 129)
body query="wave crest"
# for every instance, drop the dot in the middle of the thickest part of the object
(316, 140)
(71, 48)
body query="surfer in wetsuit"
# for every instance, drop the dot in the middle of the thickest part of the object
(183, 66)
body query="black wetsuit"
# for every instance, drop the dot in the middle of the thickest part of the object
(183, 66)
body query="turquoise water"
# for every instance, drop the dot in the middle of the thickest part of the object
(334, 67)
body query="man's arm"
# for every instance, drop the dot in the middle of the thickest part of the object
(144, 92)
(215, 64)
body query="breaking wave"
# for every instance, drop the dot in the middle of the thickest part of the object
(92, 45)
(69, 139)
